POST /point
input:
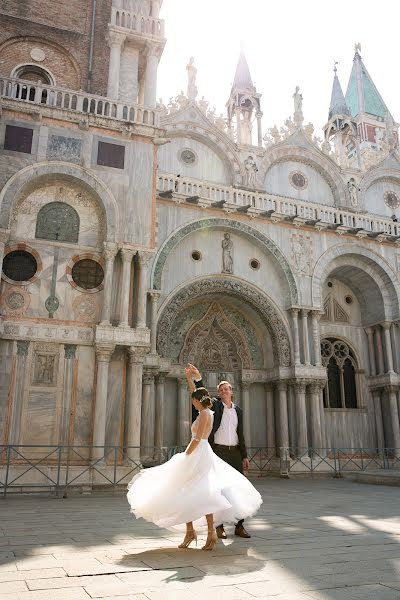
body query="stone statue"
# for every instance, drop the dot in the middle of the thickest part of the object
(220, 122)
(211, 115)
(251, 169)
(181, 100)
(309, 130)
(353, 192)
(172, 106)
(301, 249)
(203, 105)
(227, 258)
(192, 72)
(274, 133)
(161, 106)
(298, 101)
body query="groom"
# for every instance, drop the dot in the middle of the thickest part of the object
(226, 437)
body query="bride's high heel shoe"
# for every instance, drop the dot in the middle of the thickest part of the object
(189, 537)
(211, 541)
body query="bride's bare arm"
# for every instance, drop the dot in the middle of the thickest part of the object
(189, 380)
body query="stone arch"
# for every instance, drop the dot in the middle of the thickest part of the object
(316, 160)
(32, 175)
(377, 174)
(237, 226)
(381, 277)
(231, 286)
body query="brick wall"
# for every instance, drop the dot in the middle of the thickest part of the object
(66, 27)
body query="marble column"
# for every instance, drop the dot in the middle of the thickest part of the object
(159, 411)
(238, 126)
(246, 413)
(154, 296)
(306, 345)
(395, 346)
(103, 356)
(270, 410)
(127, 255)
(110, 250)
(184, 406)
(259, 130)
(143, 259)
(316, 430)
(301, 417)
(155, 8)
(380, 432)
(134, 402)
(147, 435)
(388, 347)
(283, 417)
(18, 393)
(394, 417)
(115, 42)
(315, 317)
(371, 350)
(150, 82)
(68, 394)
(296, 345)
(2, 246)
(378, 337)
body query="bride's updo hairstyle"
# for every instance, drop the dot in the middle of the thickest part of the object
(202, 395)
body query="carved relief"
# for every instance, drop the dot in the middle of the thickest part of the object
(85, 309)
(45, 365)
(15, 301)
(334, 311)
(302, 253)
(227, 254)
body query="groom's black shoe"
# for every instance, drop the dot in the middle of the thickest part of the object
(221, 532)
(241, 532)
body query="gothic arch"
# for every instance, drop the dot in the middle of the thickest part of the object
(373, 265)
(237, 226)
(211, 286)
(319, 162)
(31, 176)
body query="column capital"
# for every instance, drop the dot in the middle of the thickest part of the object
(304, 312)
(104, 352)
(300, 386)
(294, 310)
(109, 250)
(22, 348)
(269, 386)
(69, 350)
(369, 330)
(115, 38)
(127, 254)
(386, 325)
(153, 50)
(281, 386)
(148, 377)
(245, 385)
(136, 355)
(392, 389)
(316, 386)
(154, 294)
(144, 257)
(316, 313)
(160, 378)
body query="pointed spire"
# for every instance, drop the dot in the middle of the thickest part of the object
(242, 79)
(338, 104)
(362, 95)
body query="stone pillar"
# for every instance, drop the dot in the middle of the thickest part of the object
(69, 389)
(126, 254)
(371, 350)
(238, 126)
(110, 251)
(388, 347)
(394, 417)
(103, 356)
(134, 402)
(283, 416)
(395, 346)
(147, 435)
(246, 413)
(306, 346)
(183, 413)
(150, 82)
(154, 296)
(155, 8)
(159, 412)
(259, 130)
(315, 316)
(380, 433)
(378, 336)
(115, 41)
(18, 395)
(296, 345)
(2, 246)
(144, 259)
(316, 431)
(301, 417)
(269, 400)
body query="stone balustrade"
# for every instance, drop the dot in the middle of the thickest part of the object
(38, 94)
(148, 26)
(322, 216)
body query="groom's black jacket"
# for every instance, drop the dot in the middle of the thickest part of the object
(218, 409)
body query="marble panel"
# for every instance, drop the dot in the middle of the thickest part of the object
(116, 398)
(40, 418)
(6, 359)
(377, 203)
(64, 148)
(84, 396)
(278, 178)
(346, 428)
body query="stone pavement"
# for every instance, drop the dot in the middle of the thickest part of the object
(312, 540)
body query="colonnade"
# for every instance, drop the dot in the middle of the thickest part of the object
(306, 347)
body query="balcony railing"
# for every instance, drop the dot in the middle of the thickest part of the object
(278, 207)
(38, 94)
(137, 23)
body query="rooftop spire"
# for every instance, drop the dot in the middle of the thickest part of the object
(362, 95)
(338, 104)
(242, 79)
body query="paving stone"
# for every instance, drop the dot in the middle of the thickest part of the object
(362, 592)
(35, 574)
(10, 587)
(68, 582)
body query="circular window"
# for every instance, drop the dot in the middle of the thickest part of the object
(19, 265)
(87, 274)
(196, 255)
(187, 156)
(391, 199)
(298, 180)
(330, 284)
(254, 263)
(348, 300)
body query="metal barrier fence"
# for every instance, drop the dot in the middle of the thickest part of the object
(60, 470)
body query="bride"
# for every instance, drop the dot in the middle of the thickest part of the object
(195, 487)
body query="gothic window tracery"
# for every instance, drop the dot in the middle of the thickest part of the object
(57, 221)
(342, 371)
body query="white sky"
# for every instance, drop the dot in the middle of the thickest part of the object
(287, 43)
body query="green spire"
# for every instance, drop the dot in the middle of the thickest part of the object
(362, 96)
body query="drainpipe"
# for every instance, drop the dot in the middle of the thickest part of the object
(89, 85)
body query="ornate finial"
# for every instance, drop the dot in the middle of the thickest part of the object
(335, 62)
(357, 48)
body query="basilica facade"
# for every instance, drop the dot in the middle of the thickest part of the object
(138, 235)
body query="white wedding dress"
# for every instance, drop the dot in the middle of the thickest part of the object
(188, 487)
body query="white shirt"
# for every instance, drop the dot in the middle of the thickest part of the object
(226, 434)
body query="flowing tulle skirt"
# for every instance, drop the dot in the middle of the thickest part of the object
(188, 487)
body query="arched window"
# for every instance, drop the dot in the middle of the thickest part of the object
(58, 221)
(33, 73)
(338, 358)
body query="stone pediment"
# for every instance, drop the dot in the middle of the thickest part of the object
(189, 114)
